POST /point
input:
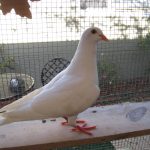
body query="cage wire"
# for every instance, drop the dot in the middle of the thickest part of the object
(138, 143)
(33, 49)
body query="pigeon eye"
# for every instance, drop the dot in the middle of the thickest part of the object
(93, 31)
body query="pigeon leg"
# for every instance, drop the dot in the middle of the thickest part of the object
(71, 121)
(65, 122)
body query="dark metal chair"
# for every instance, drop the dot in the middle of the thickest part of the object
(52, 68)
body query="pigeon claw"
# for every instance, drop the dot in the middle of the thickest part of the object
(84, 129)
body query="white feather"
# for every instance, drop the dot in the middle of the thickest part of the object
(69, 93)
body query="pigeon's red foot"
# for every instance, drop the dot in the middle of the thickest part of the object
(84, 129)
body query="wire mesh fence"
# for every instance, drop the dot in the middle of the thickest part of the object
(27, 45)
(136, 143)
(54, 30)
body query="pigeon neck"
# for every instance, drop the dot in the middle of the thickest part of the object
(84, 61)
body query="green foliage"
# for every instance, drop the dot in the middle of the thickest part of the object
(5, 61)
(72, 22)
(147, 71)
(124, 28)
(144, 42)
(107, 72)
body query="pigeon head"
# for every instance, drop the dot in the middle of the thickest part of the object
(94, 34)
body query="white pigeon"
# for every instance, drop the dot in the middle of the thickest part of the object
(72, 91)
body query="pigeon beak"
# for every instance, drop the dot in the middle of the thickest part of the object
(103, 37)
